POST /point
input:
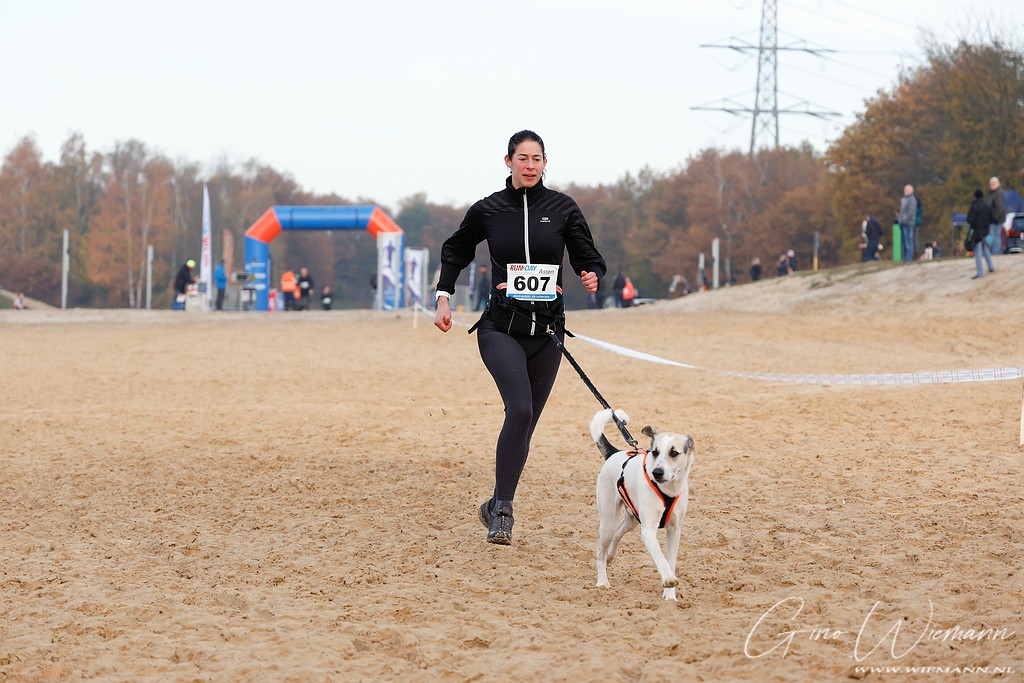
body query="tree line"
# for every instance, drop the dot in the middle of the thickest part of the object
(944, 127)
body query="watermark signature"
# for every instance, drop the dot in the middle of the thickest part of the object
(763, 640)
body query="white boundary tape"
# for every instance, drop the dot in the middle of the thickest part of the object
(875, 379)
(902, 378)
(939, 377)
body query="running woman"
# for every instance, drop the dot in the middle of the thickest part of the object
(528, 228)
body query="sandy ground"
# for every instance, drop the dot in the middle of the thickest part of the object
(269, 497)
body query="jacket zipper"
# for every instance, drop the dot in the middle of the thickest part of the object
(526, 244)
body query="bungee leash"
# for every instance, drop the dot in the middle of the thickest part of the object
(590, 385)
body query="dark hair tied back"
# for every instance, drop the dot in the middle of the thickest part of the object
(521, 137)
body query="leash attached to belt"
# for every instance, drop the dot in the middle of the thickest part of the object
(590, 385)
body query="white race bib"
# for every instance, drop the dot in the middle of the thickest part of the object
(532, 281)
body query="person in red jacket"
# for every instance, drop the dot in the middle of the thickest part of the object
(628, 293)
(288, 289)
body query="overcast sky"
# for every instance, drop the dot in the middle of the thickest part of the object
(384, 99)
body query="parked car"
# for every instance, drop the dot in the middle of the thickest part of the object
(1013, 238)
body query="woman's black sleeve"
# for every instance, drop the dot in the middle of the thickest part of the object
(458, 251)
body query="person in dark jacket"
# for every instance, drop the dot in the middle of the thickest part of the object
(528, 228)
(782, 266)
(980, 216)
(872, 237)
(617, 287)
(997, 200)
(303, 290)
(182, 280)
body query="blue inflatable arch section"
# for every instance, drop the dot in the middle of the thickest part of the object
(277, 219)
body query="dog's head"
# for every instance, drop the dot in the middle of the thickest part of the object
(671, 455)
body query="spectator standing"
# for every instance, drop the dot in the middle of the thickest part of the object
(617, 286)
(791, 257)
(303, 289)
(907, 217)
(288, 289)
(628, 293)
(182, 281)
(997, 200)
(980, 216)
(483, 288)
(220, 281)
(755, 269)
(326, 298)
(782, 265)
(872, 238)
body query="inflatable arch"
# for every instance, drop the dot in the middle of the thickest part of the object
(279, 218)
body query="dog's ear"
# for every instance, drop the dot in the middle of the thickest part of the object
(649, 431)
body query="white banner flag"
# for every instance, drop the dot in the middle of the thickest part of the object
(416, 275)
(389, 268)
(205, 258)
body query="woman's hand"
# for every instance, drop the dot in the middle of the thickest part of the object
(443, 317)
(589, 280)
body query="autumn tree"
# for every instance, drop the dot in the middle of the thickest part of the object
(135, 212)
(30, 223)
(944, 128)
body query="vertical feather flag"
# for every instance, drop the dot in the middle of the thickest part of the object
(205, 262)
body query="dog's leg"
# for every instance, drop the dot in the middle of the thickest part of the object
(602, 562)
(604, 548)
(649, 534)
(672, 532)
(611, 511)
(624, 527)
(609, 542)
(607, 514)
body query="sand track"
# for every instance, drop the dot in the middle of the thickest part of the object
(244, 497)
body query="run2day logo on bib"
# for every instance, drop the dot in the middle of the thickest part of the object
(532, 281)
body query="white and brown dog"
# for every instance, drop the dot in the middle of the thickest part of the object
(646, 487)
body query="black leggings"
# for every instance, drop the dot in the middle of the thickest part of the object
(524, 369)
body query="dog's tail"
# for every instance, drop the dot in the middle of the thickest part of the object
(597, 425)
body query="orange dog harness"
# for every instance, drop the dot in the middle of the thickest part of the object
(668, 501)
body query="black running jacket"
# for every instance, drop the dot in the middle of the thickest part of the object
(554, 223)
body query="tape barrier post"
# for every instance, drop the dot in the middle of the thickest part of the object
(1022, 418)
